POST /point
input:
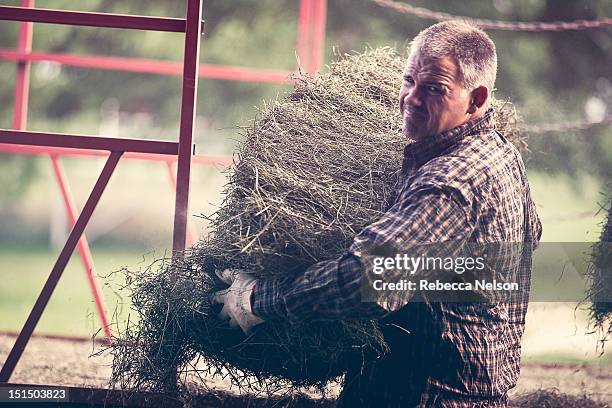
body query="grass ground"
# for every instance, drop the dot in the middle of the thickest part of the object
(71, 309)
(23, 269)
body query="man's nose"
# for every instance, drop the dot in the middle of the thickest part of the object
(412, 98)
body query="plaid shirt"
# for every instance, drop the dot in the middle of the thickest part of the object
(465, 184)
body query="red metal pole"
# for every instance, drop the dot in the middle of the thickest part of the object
(148, 66)
(303, 40)
(191, 237)
(208, 160)
(50, 139)
(22, 80)
(318, 36)
(191, 57)
(58, 268)
(84, 251)
(81, 18)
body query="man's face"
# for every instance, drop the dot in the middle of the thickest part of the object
(432, 99)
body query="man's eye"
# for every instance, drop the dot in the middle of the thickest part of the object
(434, 89)
(409, 80)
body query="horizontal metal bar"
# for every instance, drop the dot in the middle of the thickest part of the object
(148, 66)
(210, 160)
(61, 337)
(81, 18)
(244, 74)
(20, 137)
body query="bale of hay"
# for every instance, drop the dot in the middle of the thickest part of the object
(600, 275)
(552, 398)
(315, 168)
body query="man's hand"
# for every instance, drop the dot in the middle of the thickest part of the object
(236, 299)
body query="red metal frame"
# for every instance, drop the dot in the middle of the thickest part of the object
(311, 31)
(29, 138)
(206, 160)
(191, 237)
(147, 66)
(80, 18)
(193, 33)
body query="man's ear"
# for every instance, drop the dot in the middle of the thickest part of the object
(479, 98)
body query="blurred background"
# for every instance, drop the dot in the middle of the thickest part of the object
(551, 77)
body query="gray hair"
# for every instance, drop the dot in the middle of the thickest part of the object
(472, 49)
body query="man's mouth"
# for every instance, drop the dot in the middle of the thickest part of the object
(409, 113)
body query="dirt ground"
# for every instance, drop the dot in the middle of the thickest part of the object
(63, 362)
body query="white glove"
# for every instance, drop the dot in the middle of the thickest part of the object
(236, 299)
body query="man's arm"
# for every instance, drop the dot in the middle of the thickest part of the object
(326, 290)
(332, 289)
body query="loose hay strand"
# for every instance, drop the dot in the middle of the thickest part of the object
(600, 276)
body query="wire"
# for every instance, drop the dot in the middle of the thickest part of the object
(424, 13)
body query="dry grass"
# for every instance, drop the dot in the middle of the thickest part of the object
(315, 168)
(552, 398)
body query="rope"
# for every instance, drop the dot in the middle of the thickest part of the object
(566, 126)
(424, 13)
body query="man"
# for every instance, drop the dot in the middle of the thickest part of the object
(461, 182)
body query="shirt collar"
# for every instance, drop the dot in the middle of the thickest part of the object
(418, 153)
